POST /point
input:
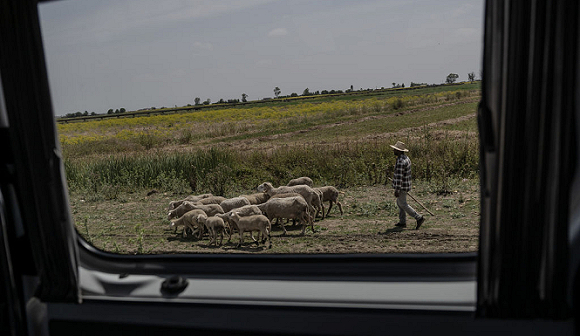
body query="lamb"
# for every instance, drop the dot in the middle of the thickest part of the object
(210, 209)
(190, 198)
(257, 198)
(234, 203)
(301, 180)
(214, 225)
(211, 200)
(290, 207)
(330, 194)
(246, 210)
(189, 220)
(253, 223)
(311, 196)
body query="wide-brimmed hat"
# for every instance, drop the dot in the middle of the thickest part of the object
(400, 146)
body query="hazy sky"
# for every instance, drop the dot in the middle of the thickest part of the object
(104, 54)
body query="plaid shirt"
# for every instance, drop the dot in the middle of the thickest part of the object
(402, 178)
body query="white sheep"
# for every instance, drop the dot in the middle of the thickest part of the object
(311, 196)
(289, 207)
(214, 226)
(301, 180)
(190, 198)
(285, 196)
(210, 209)
(211, 200)
(189, 220)
(257, 198)
(234, 203)
(259, 223)
(246, 210)
(330, 194)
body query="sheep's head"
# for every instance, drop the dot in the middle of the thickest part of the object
(265, 187)
(172, 225)
(201, 218)
(234, 216)
(170, 215)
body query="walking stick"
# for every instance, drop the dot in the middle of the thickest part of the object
(414, 199)
(421, 204)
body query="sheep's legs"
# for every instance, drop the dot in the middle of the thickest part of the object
(267, 233)
(241, 237)
(283, 228)
(221, 237)
(212, 235)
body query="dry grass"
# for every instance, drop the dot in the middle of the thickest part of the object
(137, 224)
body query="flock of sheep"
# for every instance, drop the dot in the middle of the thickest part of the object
(217, 215)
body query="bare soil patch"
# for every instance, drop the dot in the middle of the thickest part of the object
(137, 224)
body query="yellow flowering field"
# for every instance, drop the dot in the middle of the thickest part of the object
(226, 121)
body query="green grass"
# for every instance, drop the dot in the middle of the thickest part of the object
(392, 123)
(469, 125)
(327, 154)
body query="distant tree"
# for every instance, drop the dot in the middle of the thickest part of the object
(122, 110)
(403, 85)
(117, 111)
(277, 91)
(394, 84)
(110, 111)
(93, 113)
(332, 91)
(471, 76)
(324, 91)
(197, 100)
(306, 92)
(244, 97)
(339, 91)
(207, 102)
(293, 94)
(451, 78)
(351, 88)
(221, 101)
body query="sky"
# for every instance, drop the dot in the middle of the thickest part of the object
(134, 54)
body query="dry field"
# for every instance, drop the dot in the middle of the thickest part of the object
(137, 223)
(131, 220)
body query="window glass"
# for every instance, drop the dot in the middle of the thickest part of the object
(156, 101)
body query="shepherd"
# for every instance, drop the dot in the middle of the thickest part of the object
(402, 185)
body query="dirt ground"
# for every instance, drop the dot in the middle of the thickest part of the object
(137, 224)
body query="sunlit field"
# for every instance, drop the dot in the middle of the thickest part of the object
(123, 172)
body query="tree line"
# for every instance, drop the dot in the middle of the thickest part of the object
(450, 79)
